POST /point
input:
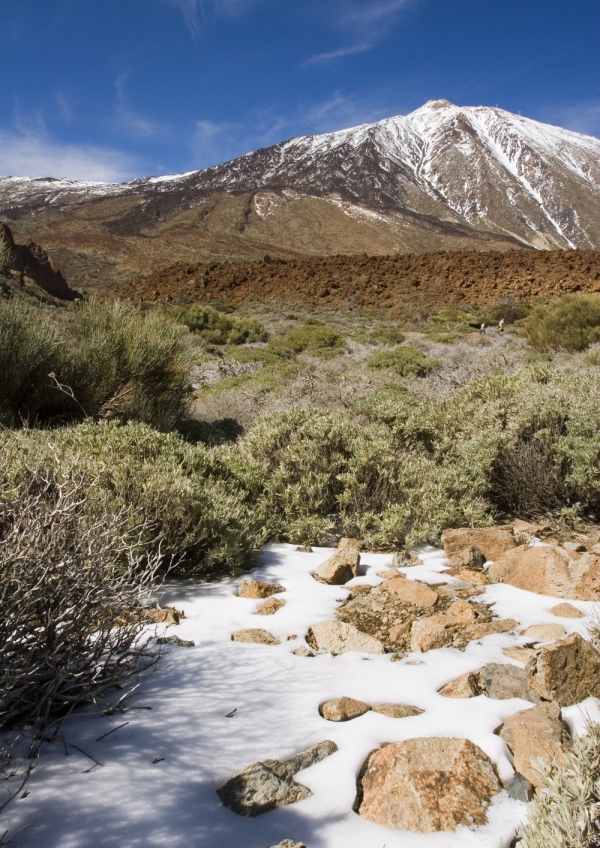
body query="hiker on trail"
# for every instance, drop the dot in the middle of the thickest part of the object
(482, 330)
(501, 325)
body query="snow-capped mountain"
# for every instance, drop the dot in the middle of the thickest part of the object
(441, 176)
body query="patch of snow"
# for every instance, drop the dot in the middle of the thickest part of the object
(156, 785)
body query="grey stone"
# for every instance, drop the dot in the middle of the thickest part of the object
(266, 785)
(502, 681)
(519, 788)
(175, 640)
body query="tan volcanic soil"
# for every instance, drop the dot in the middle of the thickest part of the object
(393, 282)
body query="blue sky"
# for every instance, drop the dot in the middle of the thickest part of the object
(113, 89)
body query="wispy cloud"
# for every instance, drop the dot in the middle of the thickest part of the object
(194, 10)
(214, 142)
(189, 10)
(34, 154)
(340, 53)
(579, 117)
(363, 23)
(129, 121)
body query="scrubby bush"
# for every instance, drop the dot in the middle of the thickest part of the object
(571, 323)
(402, 360)
(29, 347)
(109, 361)
(313, 337)
(196, 498)
(74, 570)
(218, 328)
(565, 811)
(6, 258)
(388, 336)
(120, 363)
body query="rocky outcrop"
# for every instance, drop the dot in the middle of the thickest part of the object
(470, 557)
(343, 709)
(337, 637)
(491, 541)
(341, 566)
(566, 671)
(411, 591)
(269, 784)
(289, 843)
(550, 570)
(256, 589)
(31, 264)
(537, 733)
(427, 785)
(256, 636)
(459, 624)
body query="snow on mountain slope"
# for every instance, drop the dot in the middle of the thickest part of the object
(447, 168)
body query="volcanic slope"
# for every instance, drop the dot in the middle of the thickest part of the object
(442, 177)
(395, 283)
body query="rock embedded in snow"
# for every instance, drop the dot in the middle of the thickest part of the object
(303, 651)
(341, 567)
(255, 635)
(474, 578)
(545, 632)
(503, 681)
(269, 784)
(397, 710)
(550, 570)
(471, 558)
(519, 788)
(256, 589)
(464, 686)
(427, 785)
(536, 733)
(270, 606)
(566, 671)
(491, 541)
(496, 680)
(337, 637)
(404, 559)
(412, 591)
(389, 573)
(343, 709)
(304, 549)
(522, 655)
(175, 640)
(566, 611)
(166, 615)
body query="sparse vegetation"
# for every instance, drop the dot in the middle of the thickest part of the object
(313, 337)
(565, 812)
(216, 326)
(570, 323)
(402, 360)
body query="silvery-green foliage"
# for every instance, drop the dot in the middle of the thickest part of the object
(565, 812)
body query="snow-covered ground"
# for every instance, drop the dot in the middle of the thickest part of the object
(156, 785)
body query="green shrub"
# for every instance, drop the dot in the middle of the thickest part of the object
(313, 337)
(402, 360)
(120, 363)
(388, 336)
(253, 354)
(218, 328)
(6, 258)
(29, 345)
(225, 306)
(571, 323)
